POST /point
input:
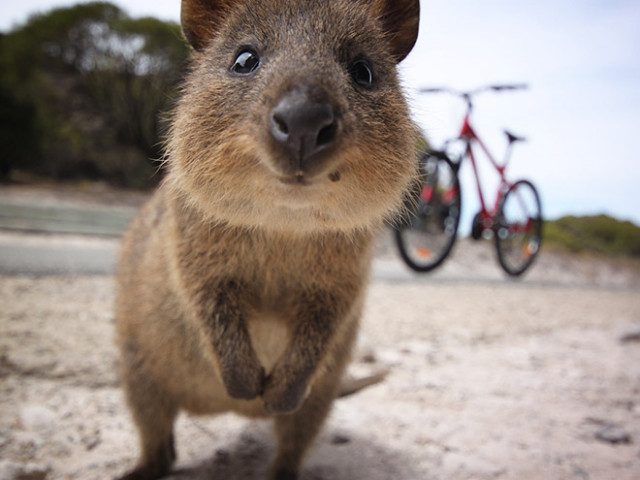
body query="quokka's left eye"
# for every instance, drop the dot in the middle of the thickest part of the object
(246, 62)
(362, 73)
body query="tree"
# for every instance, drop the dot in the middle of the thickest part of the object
(91, 84)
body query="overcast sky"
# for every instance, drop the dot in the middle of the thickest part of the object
(581, 115)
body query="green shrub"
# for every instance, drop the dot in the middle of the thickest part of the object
(598, 233)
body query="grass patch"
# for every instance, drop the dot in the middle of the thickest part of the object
(594, 234)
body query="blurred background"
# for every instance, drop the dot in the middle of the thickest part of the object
(490, 378)
(86, 89)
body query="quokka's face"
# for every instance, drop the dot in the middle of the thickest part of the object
(292, 119)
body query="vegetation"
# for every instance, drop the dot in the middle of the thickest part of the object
(83, 91)
(599, 234)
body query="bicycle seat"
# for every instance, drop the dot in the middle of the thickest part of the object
(514, 138)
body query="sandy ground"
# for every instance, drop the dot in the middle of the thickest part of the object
(490, 379)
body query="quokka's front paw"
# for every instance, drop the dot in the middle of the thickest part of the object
(284, 393)
(244, 381)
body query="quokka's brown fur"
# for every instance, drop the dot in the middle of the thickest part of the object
(241, 282)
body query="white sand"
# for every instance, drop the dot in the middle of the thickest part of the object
(490, 379)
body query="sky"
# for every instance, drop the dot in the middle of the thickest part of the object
(581, 114)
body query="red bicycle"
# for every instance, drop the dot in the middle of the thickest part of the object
(426, 236)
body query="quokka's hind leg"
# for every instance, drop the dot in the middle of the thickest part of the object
(295, 432)
(156, 464)
(154, 413)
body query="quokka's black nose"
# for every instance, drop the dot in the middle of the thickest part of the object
(304, 127)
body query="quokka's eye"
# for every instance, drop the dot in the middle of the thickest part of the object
(362, 73)
(246, 62)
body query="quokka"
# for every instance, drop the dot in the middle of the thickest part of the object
(241, 282)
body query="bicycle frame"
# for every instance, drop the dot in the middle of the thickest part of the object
(469, 136)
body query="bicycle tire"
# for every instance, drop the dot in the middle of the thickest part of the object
(509, 234)
(443, 217)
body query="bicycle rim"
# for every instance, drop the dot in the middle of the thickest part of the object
(425, 240)
(518, 230)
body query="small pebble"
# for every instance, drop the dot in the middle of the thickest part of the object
(340, 439)
(369, 358)
(632, 335)
(613, 434)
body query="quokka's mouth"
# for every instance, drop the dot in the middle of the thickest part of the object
(300, 179)
(295, 180)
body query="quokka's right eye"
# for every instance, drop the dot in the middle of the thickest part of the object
(246, 62)
(362, 73)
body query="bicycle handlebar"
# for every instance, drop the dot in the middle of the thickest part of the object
(469, 94)
(514, 86)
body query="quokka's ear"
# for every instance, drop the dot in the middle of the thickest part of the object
(201, 19)
(400, 20)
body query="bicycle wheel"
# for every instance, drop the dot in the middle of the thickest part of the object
(518, 229)
(427, 235)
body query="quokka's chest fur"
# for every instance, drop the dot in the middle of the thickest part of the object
(277, 272)
(275, 267)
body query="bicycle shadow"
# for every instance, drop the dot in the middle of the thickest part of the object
(336, 455)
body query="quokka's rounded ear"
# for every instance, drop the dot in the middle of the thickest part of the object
(201, 19)
(400, 20)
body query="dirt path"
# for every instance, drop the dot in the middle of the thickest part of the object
(489, 380)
